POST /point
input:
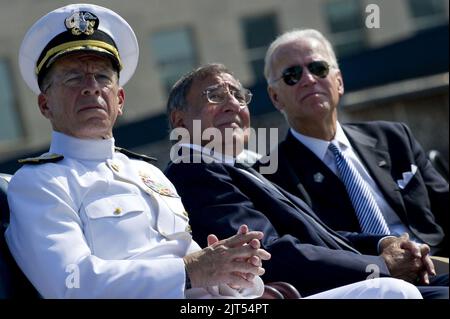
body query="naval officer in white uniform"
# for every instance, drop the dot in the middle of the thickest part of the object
(89, 220)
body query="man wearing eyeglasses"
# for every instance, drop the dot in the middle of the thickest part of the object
(361, 177)
(208, 111)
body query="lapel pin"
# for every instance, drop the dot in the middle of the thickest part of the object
(318, 177)
(382, 163)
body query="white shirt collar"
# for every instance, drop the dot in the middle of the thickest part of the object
(219, 157)
(82, 149)
(320, 147)
(341, 138)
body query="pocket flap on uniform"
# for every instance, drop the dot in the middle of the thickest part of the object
(114, 206)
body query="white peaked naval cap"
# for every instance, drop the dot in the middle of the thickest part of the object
(74, 28)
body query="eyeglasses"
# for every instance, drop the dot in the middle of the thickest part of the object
(75, 78)
(293, 74)
(219, 95)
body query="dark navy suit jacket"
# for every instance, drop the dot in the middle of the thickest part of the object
(387, 150)
(305, 252)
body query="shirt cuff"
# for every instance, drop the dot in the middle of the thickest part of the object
(379, 242)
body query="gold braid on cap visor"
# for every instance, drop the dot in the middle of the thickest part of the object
(94, 45)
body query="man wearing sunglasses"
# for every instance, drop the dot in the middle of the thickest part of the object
(361, 177)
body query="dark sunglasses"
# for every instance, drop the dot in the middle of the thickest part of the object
(293, 74)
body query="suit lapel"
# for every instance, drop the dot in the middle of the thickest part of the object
(255, 173)
(315, 174)
(195, 156)
(377, 161)
(315, 220)
(264, 182)
(299, 206)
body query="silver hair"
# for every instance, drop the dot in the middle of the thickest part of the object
(292, 36)
(178, 94)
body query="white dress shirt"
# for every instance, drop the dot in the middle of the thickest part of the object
(98, 224)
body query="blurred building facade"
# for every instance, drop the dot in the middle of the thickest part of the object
(393, 54)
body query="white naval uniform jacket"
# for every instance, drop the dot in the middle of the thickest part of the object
(98, 224)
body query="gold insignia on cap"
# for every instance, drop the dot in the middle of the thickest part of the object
(82, 22)
(101, 31)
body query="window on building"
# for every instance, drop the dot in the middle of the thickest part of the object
(346, 25)
(175, 54)
(427, 13)
(10, 128)
(259, 32)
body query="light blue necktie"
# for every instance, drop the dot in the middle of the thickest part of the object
(369, 215)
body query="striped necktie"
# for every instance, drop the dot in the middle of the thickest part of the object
(369, 215)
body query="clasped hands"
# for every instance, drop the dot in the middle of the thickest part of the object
(407, 260)
(234, 261)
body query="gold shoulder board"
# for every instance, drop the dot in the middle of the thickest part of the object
(44, 158)
(135, 155)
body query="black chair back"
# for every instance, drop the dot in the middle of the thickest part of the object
(13, 283)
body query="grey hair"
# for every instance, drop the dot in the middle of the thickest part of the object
(292, 36)
(178, 94)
